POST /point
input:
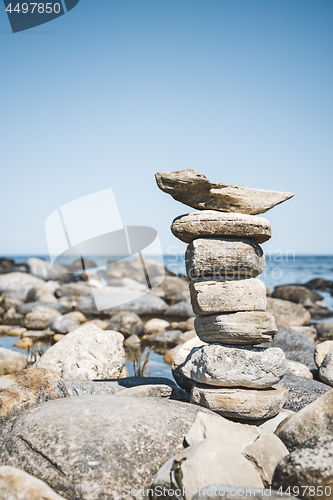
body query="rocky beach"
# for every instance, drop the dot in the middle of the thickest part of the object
(211, 384)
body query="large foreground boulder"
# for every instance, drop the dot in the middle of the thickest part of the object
(93, 447)
(87, 353)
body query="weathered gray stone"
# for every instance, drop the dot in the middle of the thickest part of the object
(11, 361)
(253, 327)
(127, 323)
(39, 318)
(308, 469)
(326, 369)
(180, 310)
(308, 331)
(172, 286)
(27, 388)
(296, 293)
(157, 325)
(43, 293)
(298, 369)
(78, 387)
(288, 313)
(321, 350)
(93, 447)
(243, 366)
(86, 353)
(204, 463)
(313, 420)
(265, 453)
(63, 324)
(212, 426)
(290, 340)
(194, 189)
(28, 308)
(11, 317)
(169, 338)
(110, 296)
(213, 224)
(16, 484)
(221, 257)
(45, 270)
(325, 330)
(211, 297)
(302, 391)
(18, 284)
(237, 403)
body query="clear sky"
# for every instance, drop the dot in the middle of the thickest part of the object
(117, 90)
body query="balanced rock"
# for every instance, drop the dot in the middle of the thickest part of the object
(253, 327)
(87, 353)
(211, 297)
(221, 257)
(194, 189)
(240, 403)
(242, 366)
(213, 224)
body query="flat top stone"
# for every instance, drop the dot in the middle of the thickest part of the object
(194, 189)
(211, 223)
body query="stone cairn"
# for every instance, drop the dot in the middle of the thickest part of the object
(228, 373)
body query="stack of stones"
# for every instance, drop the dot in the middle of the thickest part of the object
(229, 373)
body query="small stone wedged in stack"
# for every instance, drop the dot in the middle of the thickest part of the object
(223, 259)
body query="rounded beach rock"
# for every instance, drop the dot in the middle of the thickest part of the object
(87, 353)
(211, 297)
(224, 257)
(93, 447)
(229, 366)
(214, 224)
(253, 327)
(240, 403)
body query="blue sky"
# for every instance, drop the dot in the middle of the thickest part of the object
(117, 90)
